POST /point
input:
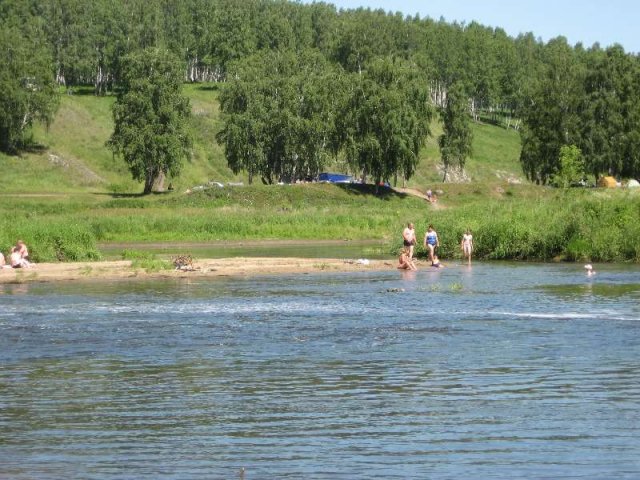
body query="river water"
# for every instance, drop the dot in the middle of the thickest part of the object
(499, 371)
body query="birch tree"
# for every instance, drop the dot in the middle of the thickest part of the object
(385, 119)
(27, 88)
(456, 141)
(150, 116)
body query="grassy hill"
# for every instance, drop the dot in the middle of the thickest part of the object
(71, 193)
(73, 157)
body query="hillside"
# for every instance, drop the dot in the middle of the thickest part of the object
(72, 195)
(73, 156)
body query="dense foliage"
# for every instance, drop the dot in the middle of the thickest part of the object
(27, 89)
(280, 113)
(455, 142)
(559, 95)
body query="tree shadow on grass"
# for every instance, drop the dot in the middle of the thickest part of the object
(208, 87)
(85, 91)
(27, 147)
(382, 192)
(132, 194)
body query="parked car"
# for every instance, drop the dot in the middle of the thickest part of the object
(335, 178)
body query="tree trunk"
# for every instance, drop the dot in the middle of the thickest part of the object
(150, 180)
(158, 182)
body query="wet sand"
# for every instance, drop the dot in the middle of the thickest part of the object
(203, 268)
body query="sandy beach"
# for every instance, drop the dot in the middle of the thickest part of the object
(219, 267)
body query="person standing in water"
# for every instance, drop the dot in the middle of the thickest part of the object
(431, 242)
(466, 245)
(409, 239)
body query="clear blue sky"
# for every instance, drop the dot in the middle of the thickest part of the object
(586, 21)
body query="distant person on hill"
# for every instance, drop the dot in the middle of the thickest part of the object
(431, 242)
(466, 245)
(404, 262)
(409, 239)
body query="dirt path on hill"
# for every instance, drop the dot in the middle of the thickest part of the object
(417, 193)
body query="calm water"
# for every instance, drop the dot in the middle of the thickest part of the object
(503, 371)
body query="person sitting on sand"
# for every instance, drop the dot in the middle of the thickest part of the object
(3, 262)
(18, 259)
(406, 263)
(22, 249)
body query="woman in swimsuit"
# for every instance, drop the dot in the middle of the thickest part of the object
(431, 241)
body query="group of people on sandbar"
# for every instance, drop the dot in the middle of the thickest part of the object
(431, 243)
(18, 257)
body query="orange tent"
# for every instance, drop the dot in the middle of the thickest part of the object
(608, 182)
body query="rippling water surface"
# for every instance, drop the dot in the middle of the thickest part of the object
(499, 371)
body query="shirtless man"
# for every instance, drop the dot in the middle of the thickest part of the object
(409, 239)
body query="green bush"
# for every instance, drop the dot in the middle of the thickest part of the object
(146, 261)
(577, 228)
(51, 241)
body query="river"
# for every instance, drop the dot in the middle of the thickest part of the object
(505, 371)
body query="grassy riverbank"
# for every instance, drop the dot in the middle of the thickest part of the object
(510, 222)
(576, 225)
(69, 193)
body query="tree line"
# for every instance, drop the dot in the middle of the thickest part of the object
(304, 84)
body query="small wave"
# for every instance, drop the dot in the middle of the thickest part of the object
(567, 315)
(231, 308)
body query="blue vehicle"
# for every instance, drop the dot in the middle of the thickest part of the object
(335, 178)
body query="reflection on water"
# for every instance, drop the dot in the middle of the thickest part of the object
(499, 371)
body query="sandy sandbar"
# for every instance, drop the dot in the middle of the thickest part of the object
(203, 268)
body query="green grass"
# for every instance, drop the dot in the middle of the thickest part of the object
(70, 193)
(515, 222)
(73, 158)
(146, 261)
